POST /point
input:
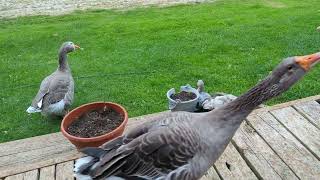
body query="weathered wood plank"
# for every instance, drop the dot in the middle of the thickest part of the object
(25, 145)
(211, 175)
(32, 153)
(21, 162)
(286, 146)
(230, 165)
(286, 104)
(38, 145)
(31, 175)
(311, 110)
(47, 173)
(64, 171)
(15, 177)
(308, 134)
(259, 155)
(44, 141)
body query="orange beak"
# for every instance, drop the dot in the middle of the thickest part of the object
(306, 62)
(76, 46)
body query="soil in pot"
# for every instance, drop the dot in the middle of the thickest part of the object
(183, 96)
(95, 123)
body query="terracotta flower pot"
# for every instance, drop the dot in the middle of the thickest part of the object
(98, 140)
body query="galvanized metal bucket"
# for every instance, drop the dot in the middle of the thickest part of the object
(176, 105)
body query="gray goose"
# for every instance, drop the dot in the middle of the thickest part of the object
(56, 90)
(183, 145)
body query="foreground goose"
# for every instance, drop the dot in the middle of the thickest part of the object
(56, 90)
(184, 145)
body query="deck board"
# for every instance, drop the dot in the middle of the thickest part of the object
(300, 127)
(47, 173)
(64, 171)
(46, 150)
(36, 159)
(286, 146)
(31, 175)
(211, 175)
(29, 144)
(287, 104)
(230, 165)
(311, 110)
(259, 155)
(277, 142)
(15, 177)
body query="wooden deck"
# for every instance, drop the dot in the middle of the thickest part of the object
(278, 142)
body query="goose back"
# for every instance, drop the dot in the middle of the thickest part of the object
(174, 146)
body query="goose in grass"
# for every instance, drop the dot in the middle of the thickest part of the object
(183, 145)
(56, 90)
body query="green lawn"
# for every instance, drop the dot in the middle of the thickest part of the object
(133, 57)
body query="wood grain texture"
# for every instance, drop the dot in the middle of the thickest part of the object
(32, 153)
(286, 146)
(21, 162)
(268, 149)
(286, 104)
(311, 110)
(31, 175)
(230, 165)
(15, 177)
(301, 128)
(29, 144)
(259, 155)
(211, 175)
(64, 171)
(47, 173)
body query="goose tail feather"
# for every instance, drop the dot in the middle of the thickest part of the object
(82, 166)
(32, 109)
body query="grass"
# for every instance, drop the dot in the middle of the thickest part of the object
(133, 57)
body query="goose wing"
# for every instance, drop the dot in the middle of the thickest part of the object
(43, 90)
(152, 150)
(68, 98)
(61, 87)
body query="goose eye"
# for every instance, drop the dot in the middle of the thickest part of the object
(290, 67)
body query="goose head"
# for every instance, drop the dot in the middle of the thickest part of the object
(68, 47)
(287, 73)
(283, 76)
(200, 85)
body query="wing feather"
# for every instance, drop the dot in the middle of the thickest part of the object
(60, 86)
(153, 150)
(43, 90)
(68, 98)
